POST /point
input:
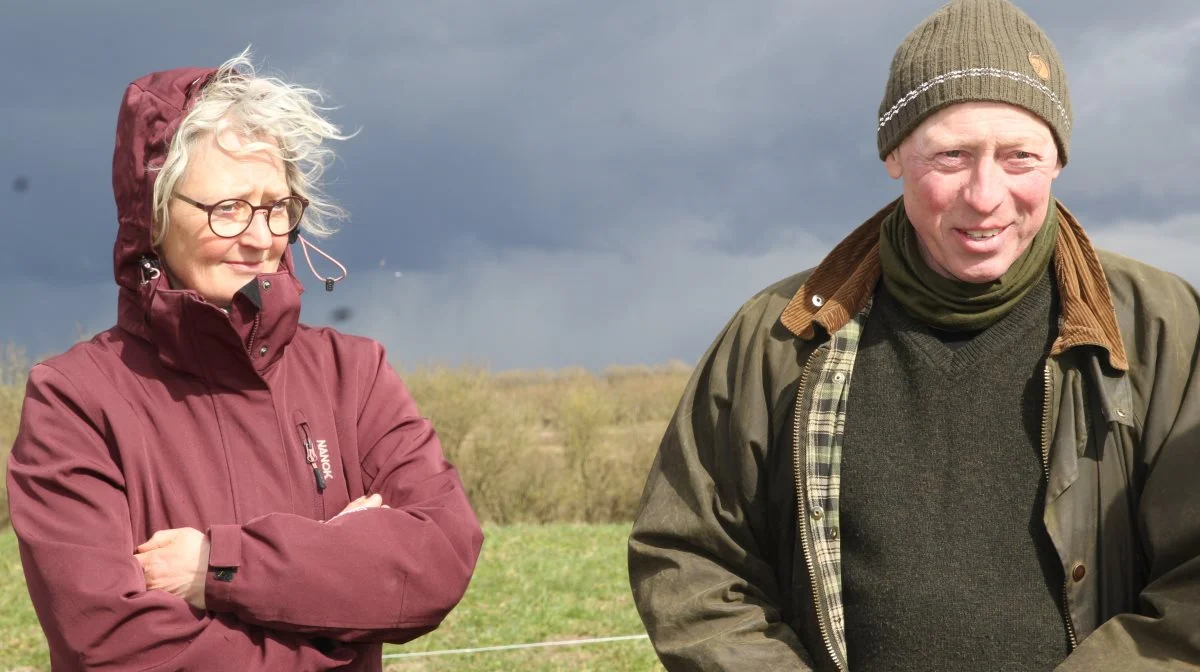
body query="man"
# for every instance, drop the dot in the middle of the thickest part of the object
(967, 440)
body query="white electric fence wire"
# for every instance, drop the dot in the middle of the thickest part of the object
(511, 647)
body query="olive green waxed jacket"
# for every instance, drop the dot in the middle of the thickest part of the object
(731, 570)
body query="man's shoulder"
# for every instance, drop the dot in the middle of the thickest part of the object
(1132, 270)
(756, 331)
(768, 303)
(1137, 285)
(1157, 311)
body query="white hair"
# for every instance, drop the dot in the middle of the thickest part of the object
(236, 98)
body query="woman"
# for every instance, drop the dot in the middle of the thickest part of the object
(210, 484)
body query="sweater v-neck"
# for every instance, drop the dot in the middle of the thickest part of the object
(952, 353)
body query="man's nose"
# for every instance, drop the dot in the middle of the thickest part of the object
(985, 191)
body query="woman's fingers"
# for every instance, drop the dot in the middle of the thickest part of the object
(365, 502)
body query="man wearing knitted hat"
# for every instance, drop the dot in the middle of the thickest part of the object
(967, 440)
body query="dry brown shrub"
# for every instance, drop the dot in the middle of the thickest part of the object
(620, 472)
(551, 446)
(14, 368)
(453, 398)
(508, 475)
(646, 394)
(586, 409)
(531, 446)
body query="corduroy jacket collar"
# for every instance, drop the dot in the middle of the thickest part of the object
(843, 283)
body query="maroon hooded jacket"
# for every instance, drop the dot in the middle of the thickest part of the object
(185, 416)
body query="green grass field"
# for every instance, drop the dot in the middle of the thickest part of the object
(534, 583)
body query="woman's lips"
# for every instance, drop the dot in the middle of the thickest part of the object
(246, 266)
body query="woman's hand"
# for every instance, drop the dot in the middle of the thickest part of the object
(362, 503)
(176, 561)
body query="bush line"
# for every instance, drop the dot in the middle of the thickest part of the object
(531, 446)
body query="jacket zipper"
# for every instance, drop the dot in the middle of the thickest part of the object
(802, 507)
(1049, 387)
(253, 335)
(310, 456)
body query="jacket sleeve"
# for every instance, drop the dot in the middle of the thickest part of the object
(72, 522)
(702, 577)
(384, 575)
(1165, 633)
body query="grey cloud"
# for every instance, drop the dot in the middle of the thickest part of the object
(569, 134)
(1172, 244)
(48, 318)
(529, 309)
(666, 300)
(1136, 94)
(526, 144)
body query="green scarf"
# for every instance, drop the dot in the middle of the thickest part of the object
(950, 304)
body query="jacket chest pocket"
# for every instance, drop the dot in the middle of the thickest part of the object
(322, 464)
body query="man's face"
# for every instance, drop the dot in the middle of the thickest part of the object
(977, 182)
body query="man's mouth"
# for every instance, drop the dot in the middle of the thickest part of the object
(982, 235)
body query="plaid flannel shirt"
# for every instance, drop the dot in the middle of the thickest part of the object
(823, 436)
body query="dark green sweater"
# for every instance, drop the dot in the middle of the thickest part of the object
(945, 562)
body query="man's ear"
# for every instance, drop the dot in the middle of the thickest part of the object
(895, 169)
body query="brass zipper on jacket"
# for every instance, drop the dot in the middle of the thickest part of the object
(802, 507)
(1049, 390)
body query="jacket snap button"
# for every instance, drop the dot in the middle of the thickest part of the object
(1078, 572)
(262, 351)
(833, 533)
(818, 513)
(266, 284)
(818, 300)
(839, 377)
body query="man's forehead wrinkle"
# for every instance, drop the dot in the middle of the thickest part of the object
(969, 133)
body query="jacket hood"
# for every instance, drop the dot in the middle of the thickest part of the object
(151, 112)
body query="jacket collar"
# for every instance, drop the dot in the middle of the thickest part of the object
(843, 283)
(197, 337)
(190, 334)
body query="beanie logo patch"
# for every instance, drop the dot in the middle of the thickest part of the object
(1040, 67)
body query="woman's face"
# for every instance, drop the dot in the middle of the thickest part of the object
(198, 259)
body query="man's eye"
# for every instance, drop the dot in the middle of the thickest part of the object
(953, 154)
(226, 208)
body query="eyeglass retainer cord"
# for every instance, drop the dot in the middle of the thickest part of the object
(329, 282)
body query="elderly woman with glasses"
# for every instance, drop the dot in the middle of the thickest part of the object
(211, 484)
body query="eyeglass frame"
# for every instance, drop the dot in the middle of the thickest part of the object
(208, 209)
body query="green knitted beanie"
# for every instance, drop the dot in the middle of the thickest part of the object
(974, 50)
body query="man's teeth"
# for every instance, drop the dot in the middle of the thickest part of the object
(982, 235)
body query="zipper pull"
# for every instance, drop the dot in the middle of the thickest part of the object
(149, 267)
(320, 478)
(310, 456)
